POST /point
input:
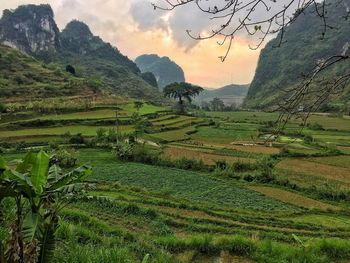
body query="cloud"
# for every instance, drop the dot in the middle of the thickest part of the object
(144, 14)
(135, 29)
(174, 23)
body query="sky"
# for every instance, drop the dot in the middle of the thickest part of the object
(135, 28)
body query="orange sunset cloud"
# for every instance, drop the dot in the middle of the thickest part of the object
(113, 22)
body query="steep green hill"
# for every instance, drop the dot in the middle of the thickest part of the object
(283, 67)
(95, 58)
(23, 77)
(32, 29)
(165, 70)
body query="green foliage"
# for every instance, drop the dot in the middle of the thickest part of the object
(77, 139)
(284, 67)
(65, 158)
(37, 189)
(182, 91)
(266, 166)
(2, 108)
(123, 151)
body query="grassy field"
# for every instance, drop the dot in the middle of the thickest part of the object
(178, 215)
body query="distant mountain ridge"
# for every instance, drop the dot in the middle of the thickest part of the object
(32, 29)
(283, 67)
(164, 69)
(231, 94)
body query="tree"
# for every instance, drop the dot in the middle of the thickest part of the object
(182, 91)
(217, 104)
(70, 69)
(262, 18)
(39, 191)
(138, 105)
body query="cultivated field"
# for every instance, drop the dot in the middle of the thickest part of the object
(200, 189)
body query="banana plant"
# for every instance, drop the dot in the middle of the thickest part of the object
(40, 192)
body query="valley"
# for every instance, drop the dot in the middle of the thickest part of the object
(199, 188)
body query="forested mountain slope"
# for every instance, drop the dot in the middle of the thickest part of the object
(32, 29)
(283, 67)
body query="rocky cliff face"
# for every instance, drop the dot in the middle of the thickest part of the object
(31, 29)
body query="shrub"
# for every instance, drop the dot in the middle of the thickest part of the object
(266, 166)
(239, 166)
(101, 135)
(123, 151)
(248, 178)
(2, 107)
(315, 127)
(77, 139)
(308, 139)
(227, 172)
(220, 164)
(65, 158)
(141, 154)
(19, 146)
(189, 164)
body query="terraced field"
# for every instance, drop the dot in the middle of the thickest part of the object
(255, 208)
(329, 172)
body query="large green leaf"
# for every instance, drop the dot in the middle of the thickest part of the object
(75, 176)
(20, 183)
(27, 163)
(47, 244)
(55, 173)
(32, 226)
(40, 170)
(3, 166)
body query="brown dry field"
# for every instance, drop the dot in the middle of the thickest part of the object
(254, 149)
(243, 148)
(292, 198)
(338, 161)
(344, 148)
(321, 170)
(207, 158)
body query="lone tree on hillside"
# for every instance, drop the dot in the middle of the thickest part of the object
(263, 18)
(182, 91)
(138, 105)
(70, 69)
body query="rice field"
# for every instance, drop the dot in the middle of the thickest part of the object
(62, 130)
